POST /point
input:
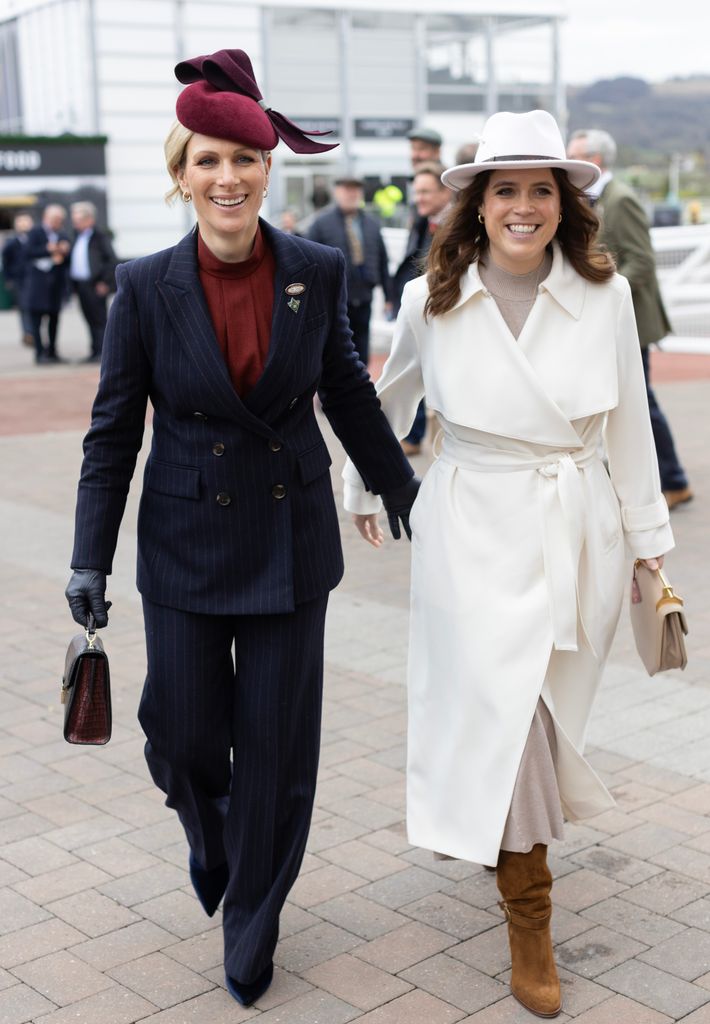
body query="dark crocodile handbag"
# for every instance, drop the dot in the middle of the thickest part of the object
(86, 690)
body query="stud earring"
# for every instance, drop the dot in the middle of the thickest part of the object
(186, 198)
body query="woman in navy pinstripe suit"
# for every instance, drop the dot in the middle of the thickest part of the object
(230, 333)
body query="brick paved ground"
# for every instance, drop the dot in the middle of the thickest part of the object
(98, 923)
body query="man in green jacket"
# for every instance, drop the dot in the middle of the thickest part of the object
(625, 232)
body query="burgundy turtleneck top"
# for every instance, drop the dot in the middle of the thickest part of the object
(240, 299)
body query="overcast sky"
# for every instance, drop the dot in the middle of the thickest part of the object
(651, 39)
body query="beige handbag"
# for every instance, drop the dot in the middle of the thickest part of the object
(657, 620)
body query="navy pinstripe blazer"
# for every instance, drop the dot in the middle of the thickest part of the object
(237, 513)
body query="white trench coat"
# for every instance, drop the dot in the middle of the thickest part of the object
(518, 560)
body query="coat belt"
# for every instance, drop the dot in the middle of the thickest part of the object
(564, 517)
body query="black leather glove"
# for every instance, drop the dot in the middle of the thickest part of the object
(85, 594)
(398, 504)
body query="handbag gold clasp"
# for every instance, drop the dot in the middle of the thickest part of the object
(90, 637)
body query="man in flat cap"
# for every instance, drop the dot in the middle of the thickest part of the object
(424, 146)
(347, 227)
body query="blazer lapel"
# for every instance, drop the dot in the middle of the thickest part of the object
(292, 267)
(186, 307)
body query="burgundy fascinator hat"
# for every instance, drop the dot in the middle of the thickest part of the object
(222, 99)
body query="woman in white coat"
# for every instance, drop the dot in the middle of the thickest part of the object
(522, 339)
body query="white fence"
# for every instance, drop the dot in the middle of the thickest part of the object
(683, 262)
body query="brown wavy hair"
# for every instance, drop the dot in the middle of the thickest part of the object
(462, 240)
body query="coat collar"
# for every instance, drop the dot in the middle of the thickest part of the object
(563, 283)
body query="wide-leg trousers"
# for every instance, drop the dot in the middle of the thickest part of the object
(233, 740)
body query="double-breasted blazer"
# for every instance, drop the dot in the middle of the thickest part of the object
(625, 232)
(237, 513)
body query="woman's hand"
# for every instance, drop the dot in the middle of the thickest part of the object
(369, 529)
(653, 563)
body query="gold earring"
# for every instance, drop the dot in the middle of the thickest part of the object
(559, 221)
(480, 219)
(186, 197)
(266, 192)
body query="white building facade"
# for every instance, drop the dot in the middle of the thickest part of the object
(366, 70)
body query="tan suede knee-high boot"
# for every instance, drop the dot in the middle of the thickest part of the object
(525, 882)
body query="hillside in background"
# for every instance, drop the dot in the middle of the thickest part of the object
(650, 121)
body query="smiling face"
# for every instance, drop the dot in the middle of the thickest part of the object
(226, 181)
(521, 210)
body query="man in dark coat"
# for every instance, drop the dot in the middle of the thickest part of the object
(47, 252)
(625, 232)
(92, 268)
(14, 271)
(347, 227)
(431, 200)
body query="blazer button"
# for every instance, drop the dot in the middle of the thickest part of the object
(293, 402)
(200, 416)
(278, 491)
(218, 449)
(223, 498)
(274, 445)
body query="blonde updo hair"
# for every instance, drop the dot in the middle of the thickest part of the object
(175, 149)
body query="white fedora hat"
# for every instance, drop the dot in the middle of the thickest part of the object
(519, 141)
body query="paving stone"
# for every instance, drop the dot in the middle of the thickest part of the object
(617, 865)
(404, 887)
(312, 946)
(356, 982)
(678, 818)
(700, 1016)
(455, 982)
(446, 914)
(614, 821)
(488, 952)
(36, 941)
(61, 882)
(311, 1007)
(646, 840)
(9, 874)
(364, 860)
(565, 924)
(145, 885)
(596, 951)
(632, 795)
(479, 890)
(393, 839)
(361, 916)
(657, 989)
(686, 955)
(579, 994)
(23, 826)
(454, 870)
(687, 861)
(294, 919)
(119, 857)
(696, 914)
(118, 947)
(369, 813)
(16, 912)
(620, 1010)
(665, 893)
(577, 837)
(92, 913)
(414, 1007)
(333, 831)
(160, 979)
(201, 952)
(323, 884)
(696, 800)
(62, 977)
(403, 947)
(36, 856)
(637, 922)
(178, 913)
(61, 808)
(114, 1005)
(91, 830)
(583, 888)
(21, 1004)
(6, 979)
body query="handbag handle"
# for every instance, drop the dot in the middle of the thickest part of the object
(668, 596)
(90, 630)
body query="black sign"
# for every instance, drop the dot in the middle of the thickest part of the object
(382, 127)
(49, 159)
(320, 124)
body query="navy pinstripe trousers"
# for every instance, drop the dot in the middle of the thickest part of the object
(234, 745)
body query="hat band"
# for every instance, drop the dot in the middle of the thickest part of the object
(520, 156)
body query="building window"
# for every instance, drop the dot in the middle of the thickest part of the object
(10, 101)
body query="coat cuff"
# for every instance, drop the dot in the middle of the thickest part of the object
(644, 517)
(357, 500)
